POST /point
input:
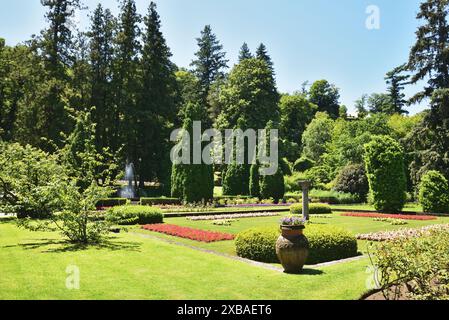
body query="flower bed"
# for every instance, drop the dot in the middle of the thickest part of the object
(393, 216)
(403, 233)
(189, 233)
(232, 216)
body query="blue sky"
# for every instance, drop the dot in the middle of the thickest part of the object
(307, 39)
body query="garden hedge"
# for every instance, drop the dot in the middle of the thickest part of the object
(159, 201)
(434, 193)
(314, 208)
(131, 215)
(327, 243)
(112, 202)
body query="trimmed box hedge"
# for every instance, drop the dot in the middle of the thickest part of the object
(132, 215)
(327, 243)
(159, 201)
(112, 202)
(314, 208)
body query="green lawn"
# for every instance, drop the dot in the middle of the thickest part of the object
(33, 266)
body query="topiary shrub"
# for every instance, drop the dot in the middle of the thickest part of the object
(254, 181)
(236, 180)
(131, 215)
(192, 183)
(384, 164)
(159, 201)
(434, 193)
(314, 208)
(303, 164)
(273, 186)
(352, 179)
(327, 243)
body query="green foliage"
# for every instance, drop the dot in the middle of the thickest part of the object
(30, 181)
(352, 179)
(159, 201)
(384, 162)
(193, 183)
(420, 264)
(131, 215)
(272, 186)
(396, 80)
(296, 113)
(303, 164)
(314, 208)
(317, 136)
(254, 181)
(326, 96)
(333, 197)
(292, 182)
(326, 244)
(434, 193)
(236, 180)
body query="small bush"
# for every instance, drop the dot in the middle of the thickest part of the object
(314, 208)
(273, 186)
(131, 215)
(352, 179)
(434, 193)
(303, 164)
(326, 244)
(111, 202)
(159, 201)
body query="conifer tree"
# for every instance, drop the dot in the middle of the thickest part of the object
(396, 80)
(245, 53)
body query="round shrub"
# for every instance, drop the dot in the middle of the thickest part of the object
(434, 193)
(384, 163)
(303, 164)
(131, 215)
(314, 208)
(352, 179)
(327, 243)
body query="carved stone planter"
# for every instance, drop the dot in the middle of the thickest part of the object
(292, 248)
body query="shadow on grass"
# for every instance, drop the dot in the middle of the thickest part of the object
(60, 246)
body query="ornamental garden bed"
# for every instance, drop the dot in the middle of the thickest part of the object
(393, 216)
(189, 233)
(403, 233)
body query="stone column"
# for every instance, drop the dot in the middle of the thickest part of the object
(305, 185)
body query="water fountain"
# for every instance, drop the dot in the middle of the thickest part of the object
(128, 191)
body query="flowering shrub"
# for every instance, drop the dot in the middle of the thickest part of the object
(226, 223)
(393, 216)
(189, 233)
(232, 216)
(402, 233)
(393, 222)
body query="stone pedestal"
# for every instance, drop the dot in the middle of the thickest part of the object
(305, 186)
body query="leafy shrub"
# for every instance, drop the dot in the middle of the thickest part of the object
(303, 164)
(352, 179)
(319, 176)
(314, 208)
(384, 162)
(192, 183)
(333, 197)
(159, 201)
(326, 244)
(131, 215)
(236, 180)
(292, 182)
(273, 186)
(111, 202)
(420, 264)
(434, 193)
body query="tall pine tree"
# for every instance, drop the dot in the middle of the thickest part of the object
(245, 52)
(156, 107)
(396, 79)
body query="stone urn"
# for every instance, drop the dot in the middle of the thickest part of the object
(292, 248)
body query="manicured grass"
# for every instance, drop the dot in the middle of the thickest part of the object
(33, 266)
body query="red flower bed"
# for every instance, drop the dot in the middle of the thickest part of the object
(188, 233)
(393, 216)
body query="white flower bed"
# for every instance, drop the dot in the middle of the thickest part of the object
(403, 233)
(233, 216)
